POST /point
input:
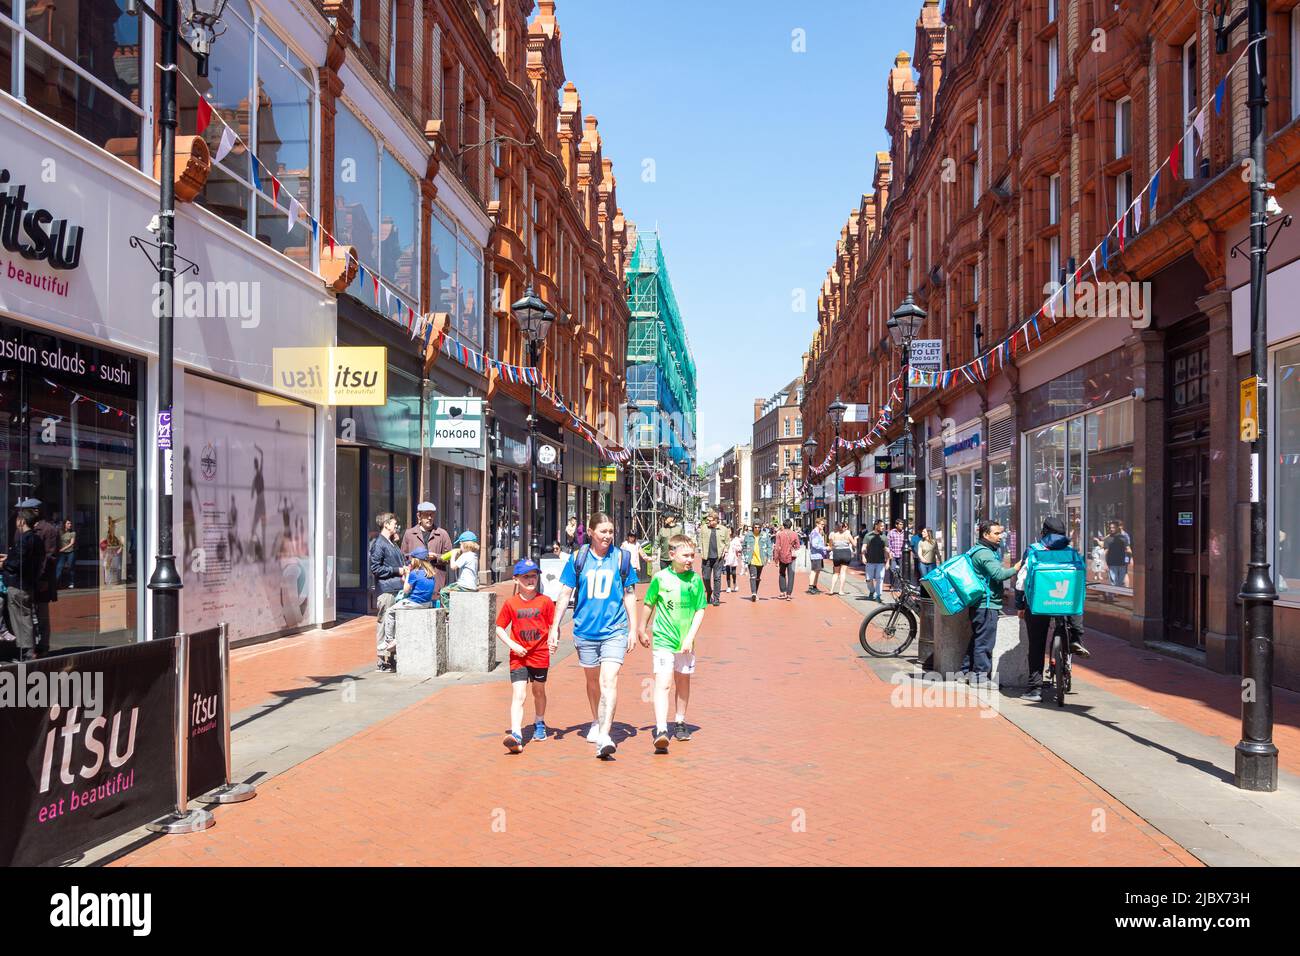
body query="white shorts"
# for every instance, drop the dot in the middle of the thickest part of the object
(683, 662)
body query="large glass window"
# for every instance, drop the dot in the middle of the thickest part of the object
(260, 89)
(1081, 471)
(83, 64)
(456, 277)
(1287, 376)
(376, 211)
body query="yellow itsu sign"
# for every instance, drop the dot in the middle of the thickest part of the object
(334, 375)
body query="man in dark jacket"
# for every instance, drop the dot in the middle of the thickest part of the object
(977, 663)
(48, 588)
(22, 568)
(712, 544)
(386, 563)
(426, 533)
(875, 554)
(1036, 625)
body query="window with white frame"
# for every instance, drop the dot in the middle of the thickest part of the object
(975, 169)
(1052, 67)
(435, 73)
(1123, 127)
(1054, 199)
(1123, 198)
(456, 276)
(278, 125)
(392, 44)
(80, 64)
(975, 283)
(1191, 103)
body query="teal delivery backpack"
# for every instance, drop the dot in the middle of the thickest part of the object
(954, 585)
(1054, 581)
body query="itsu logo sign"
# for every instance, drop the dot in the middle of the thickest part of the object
(457, 423)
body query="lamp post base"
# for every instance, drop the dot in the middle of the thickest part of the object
(1256, 767)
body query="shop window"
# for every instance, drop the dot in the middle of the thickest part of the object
(1190, 378)
(262, 90)
(1287, 521)
(83, 65)
(376, 212)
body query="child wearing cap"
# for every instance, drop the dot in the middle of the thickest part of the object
(463, 561)
(420, 581)
(524, 625)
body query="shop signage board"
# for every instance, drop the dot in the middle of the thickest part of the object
(334, 375)
(857, 414)
(457, 423)
(1250, 409)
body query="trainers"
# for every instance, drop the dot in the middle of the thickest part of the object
(514, 743)
(606, 748)
(661, 741)
(593, 735)
(1034, 696)
(682, 732)
(382, 665)
(539, 730)
(1078, 650)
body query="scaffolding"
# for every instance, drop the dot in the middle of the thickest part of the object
(661, 382)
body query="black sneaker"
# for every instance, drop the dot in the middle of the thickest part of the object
(661, 741)
(1078, 650)
(682, 732)
(1032, 696)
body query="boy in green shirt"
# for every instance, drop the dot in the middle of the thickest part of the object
(675, 601)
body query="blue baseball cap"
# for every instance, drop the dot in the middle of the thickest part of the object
(467, 536)
(525, 566)
(421, 553)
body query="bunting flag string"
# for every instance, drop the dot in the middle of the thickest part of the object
(102, 407)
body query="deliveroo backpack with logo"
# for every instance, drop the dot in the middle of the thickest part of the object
(1054, 581)
(954, 585)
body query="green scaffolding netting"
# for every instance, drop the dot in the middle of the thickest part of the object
(657, 336)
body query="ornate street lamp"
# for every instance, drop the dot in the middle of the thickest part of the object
(836, 410)
(633, 409)
(903, 327)
(534, 320)
(809, 449)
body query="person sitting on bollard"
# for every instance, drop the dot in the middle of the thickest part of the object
(463, 561)
(419, 579)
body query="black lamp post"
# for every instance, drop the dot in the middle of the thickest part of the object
(534, 320)
(903, 326)
(1256, 763)
(836, 410)
(201, 19)
(809, 449)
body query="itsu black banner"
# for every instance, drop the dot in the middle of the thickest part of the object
(206, 768)
(75, 776)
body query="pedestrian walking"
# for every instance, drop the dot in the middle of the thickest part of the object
(732, 560)
(927, 552)
(418, 591)
(817, 553)
(662, 548)
(386, 565)
(632, 545)
(65, 571)
(47, 588)
(713, 544)
(875, 554)
(524, 624)
(986, 556)
(1119, 553)
(571, 535)
(757, 552)
(1036, 625)
(674, 605)
(842, 548)
(896, 540)
(784, 550)
(22, 567)
(603, 582)
(426, 533)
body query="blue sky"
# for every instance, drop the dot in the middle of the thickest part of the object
(760, 154)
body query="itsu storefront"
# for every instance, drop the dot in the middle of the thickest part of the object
(78, 368)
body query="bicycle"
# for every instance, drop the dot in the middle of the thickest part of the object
(1058, 672)
(890, 629)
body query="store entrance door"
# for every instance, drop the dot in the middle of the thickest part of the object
(1187, 558)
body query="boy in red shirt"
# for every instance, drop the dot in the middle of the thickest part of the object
(524, 625)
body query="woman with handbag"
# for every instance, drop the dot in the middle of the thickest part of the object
(842, 547)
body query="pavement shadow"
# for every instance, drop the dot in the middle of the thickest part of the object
(323, 685)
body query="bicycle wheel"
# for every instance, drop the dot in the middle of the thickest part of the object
(1060, 673)
(887, 631)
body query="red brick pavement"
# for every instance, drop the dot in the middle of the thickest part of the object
(800, 759)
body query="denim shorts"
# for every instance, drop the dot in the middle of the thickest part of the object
(594, 653)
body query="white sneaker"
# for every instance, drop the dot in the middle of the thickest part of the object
(607, 748)
(593, 735)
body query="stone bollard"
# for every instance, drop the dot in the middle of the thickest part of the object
(1011, 652)
(421, 641)
(950, 634)
(471, 632)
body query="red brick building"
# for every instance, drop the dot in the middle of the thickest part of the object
(1018, 130)
(777, 458)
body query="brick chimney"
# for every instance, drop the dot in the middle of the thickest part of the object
(758, 408)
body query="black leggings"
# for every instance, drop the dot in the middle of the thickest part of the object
(731, 575)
